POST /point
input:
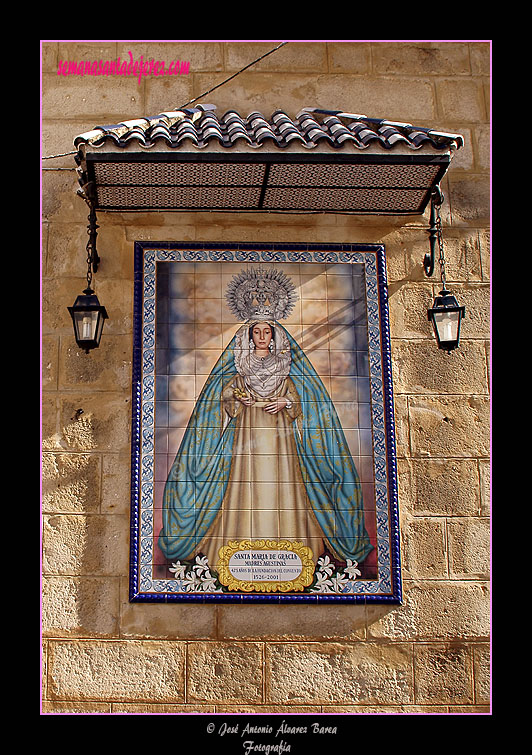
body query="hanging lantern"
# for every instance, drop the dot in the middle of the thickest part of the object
(88, 317)
(446, 316)
(87, 313)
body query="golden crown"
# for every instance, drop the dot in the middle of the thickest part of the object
(260, 293)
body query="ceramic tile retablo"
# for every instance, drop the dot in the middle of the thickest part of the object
(263, 452)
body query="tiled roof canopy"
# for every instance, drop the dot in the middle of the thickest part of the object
(318, 162)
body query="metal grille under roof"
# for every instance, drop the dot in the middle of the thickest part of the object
(321, 161)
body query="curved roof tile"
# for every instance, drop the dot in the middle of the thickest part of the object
(311, 127)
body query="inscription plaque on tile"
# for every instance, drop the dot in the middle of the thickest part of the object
(271, 566)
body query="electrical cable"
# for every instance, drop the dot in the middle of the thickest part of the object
(65, 154)
(231, 77)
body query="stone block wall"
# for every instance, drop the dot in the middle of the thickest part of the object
(102, 654)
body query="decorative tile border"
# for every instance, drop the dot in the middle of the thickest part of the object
(143, 587)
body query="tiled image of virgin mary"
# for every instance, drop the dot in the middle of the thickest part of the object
(264, 455)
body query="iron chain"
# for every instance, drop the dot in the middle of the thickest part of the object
(439, 234)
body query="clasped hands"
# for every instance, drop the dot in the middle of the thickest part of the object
(272, 408)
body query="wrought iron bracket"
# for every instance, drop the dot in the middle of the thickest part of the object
(92, 231)
(434, 231)
(92, 255)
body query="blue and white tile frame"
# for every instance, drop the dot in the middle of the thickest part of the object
(386, 588)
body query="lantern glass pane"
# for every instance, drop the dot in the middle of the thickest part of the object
(446, 324)
(99, 327)
(86, 323)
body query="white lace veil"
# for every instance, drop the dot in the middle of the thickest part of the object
(263, 376)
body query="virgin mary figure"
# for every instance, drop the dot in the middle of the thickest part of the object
(264, 455)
